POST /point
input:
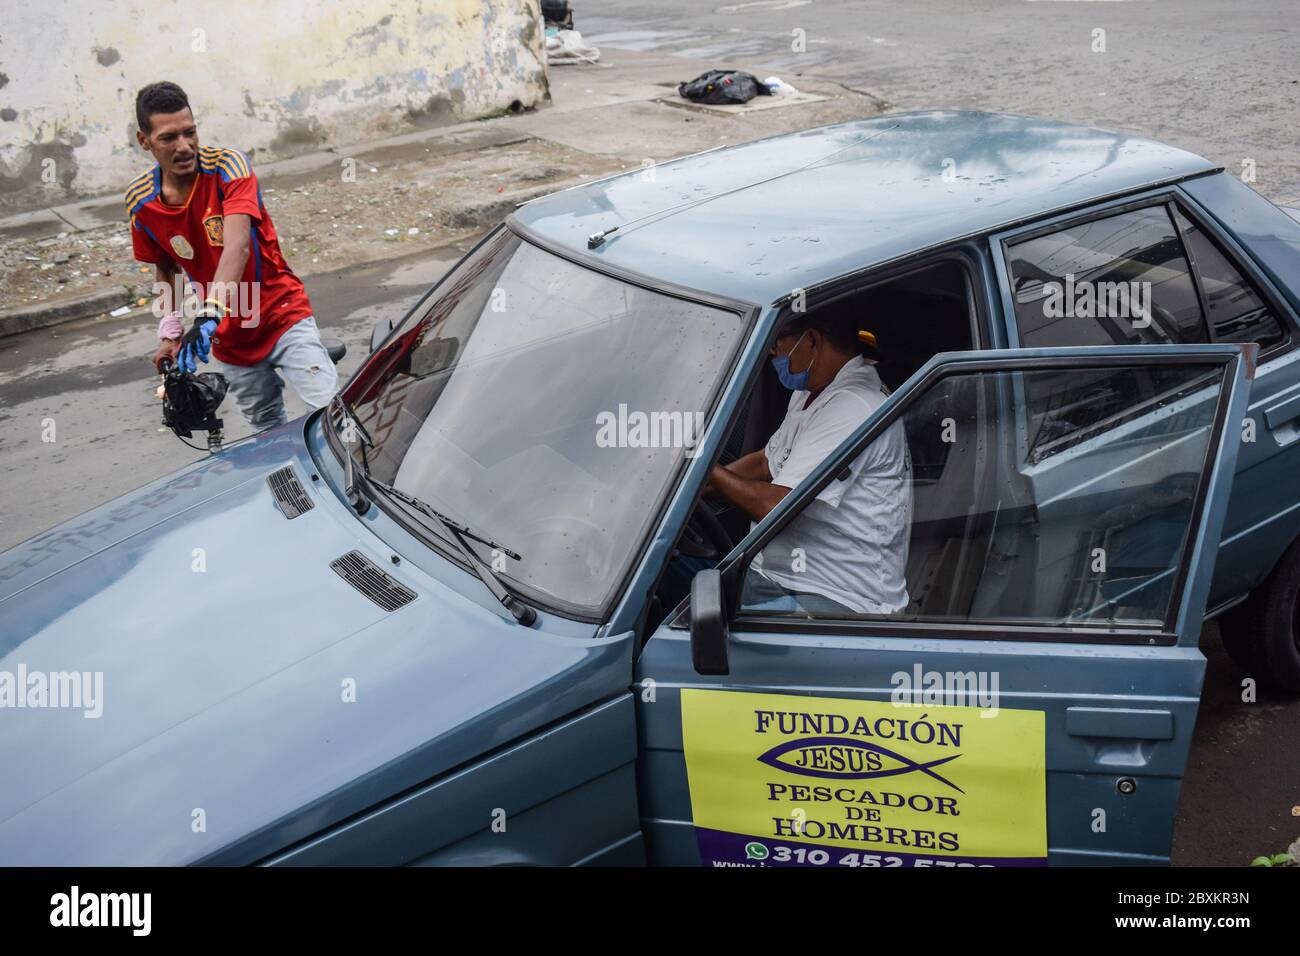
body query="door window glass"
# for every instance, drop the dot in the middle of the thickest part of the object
(1090, 530)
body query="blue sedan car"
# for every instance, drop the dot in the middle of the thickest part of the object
(432, 624)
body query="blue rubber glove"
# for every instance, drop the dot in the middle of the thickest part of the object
(197, 342)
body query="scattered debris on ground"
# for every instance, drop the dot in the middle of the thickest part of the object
(568, 46)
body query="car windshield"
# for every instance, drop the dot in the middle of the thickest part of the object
(546, 406)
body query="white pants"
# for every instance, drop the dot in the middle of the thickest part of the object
(302, 360)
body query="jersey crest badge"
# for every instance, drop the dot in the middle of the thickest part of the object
(214, 225)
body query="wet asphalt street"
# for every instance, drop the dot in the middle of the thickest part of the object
(1218, 78)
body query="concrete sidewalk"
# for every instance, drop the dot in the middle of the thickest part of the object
(428, 189)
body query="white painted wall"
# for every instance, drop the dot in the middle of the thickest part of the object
(274, 78)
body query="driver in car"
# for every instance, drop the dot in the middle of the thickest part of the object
(847, 551)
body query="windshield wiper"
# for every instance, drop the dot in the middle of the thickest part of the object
(351, 487)
(458, 532)
(524, 614)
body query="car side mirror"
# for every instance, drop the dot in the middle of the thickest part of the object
(709, 624)
(379, 333)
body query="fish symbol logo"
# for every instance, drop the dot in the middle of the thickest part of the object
(846, 758)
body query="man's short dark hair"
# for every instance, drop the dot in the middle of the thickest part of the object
(161, 97)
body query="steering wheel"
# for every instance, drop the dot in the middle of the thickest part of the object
(704, 535)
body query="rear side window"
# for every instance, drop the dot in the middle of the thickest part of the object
(1121, 280)
(1237, 313)
(1144, 276)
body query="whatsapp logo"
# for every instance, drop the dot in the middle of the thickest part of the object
(755, 851)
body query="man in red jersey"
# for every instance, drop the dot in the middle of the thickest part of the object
(199, 212)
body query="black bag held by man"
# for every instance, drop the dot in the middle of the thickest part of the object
(722, 87)
(190, 404)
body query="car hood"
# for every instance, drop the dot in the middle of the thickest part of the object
(241, 695)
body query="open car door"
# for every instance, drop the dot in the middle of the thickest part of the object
(1032, 701)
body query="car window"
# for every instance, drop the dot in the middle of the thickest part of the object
(1122, 279)
(1091, 536)
(1237, 313)
(1119, 280)
(548, 407)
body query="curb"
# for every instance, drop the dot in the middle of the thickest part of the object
(16, 321)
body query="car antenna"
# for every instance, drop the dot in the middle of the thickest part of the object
(596, 238)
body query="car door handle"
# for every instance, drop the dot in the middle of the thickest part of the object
(1119, 722)
(1283, 412)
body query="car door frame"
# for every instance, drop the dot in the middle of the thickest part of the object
(733, 567)
(665, 665)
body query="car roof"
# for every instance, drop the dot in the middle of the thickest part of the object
(874, 190)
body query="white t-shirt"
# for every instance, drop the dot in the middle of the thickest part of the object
(850, 543)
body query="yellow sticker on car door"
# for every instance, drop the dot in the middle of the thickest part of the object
(779, 780)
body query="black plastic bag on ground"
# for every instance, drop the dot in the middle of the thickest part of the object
(722, 87)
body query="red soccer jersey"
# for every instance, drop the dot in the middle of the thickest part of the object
(271, 298)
